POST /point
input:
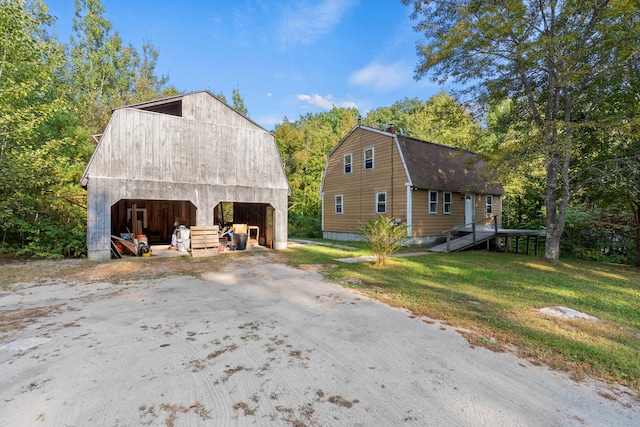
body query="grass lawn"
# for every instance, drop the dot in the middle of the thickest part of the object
(495, 299)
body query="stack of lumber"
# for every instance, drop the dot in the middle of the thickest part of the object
(204, 240)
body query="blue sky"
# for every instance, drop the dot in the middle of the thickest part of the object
(287, 58)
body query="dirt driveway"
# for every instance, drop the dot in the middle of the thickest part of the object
(261, 343)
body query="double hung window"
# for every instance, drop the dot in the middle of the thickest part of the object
(433, 202)
(381, 202)
(446, 203)
(348, 159)
(339, 204)
(489, 205)
(368, 159)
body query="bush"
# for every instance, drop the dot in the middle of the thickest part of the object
(304, 226)
(383, 237)
(599, 235)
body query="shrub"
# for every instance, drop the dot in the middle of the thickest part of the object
(383, 237)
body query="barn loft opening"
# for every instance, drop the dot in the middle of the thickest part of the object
(156, 219)
(173, 108)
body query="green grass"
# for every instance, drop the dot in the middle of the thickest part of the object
(496, 297)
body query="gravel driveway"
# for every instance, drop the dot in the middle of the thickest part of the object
(263, 343)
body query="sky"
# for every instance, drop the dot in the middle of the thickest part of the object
(287, 58)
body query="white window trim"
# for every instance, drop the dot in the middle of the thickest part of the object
(445, 203)
(378, 203)
(344, 164)
(488, 206)
(373, 156)
(433, 211)
(341, 204)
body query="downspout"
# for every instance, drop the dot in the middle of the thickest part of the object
(392, 129)
(409, 209)
(322, 213)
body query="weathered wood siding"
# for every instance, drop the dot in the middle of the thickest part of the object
(426, 224)
(142, 145)
(209, 155)
(360, 186)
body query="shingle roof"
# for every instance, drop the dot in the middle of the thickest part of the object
(438, 167)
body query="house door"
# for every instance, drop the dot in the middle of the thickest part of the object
(468, 209)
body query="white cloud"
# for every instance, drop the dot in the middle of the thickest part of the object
(382, 77)
(307, 22)
(325, 102)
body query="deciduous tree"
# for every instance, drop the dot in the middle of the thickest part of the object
(555, 59)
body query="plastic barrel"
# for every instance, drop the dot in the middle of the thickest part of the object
(240, 241)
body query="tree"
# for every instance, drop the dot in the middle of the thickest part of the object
(104, 72)
(303, 146)
(238, 102)
(440, 119)
(28, 60)
(554, 59)
(43, 150)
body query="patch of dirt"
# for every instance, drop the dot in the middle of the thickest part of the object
(20, 318)
(313, 267)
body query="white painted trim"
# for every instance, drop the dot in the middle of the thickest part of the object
(335, 204)
(409, 209)
(404, 163)
(344, 164)
(322, 211)
(378, 202)
(364, 158)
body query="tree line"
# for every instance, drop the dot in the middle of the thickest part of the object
(552, 94)
(54, 100)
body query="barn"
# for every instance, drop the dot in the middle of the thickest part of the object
(189, 159)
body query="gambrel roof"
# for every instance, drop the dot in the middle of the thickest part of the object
(438, 167)
(431, 166)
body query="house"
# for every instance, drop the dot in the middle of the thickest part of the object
(188, 159)
(428, 186)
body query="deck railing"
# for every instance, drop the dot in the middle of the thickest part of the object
(473, 230)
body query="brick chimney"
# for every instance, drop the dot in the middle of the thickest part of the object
(391, 128)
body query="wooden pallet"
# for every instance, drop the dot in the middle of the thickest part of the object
(204, 240)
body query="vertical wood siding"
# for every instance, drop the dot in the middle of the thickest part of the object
(209, 155)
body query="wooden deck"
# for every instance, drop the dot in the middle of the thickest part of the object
(467, 241)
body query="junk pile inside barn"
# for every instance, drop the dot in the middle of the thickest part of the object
(128, 245)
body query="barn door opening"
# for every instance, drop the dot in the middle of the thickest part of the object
(258, 217)
(155, 219)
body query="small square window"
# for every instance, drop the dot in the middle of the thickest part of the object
(433, 202)
(339, 204)
(347, 163)
(368, 159)
(381, 202)
(446, 203)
